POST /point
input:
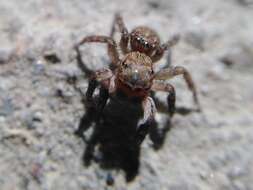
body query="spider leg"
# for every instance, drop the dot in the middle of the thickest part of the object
(171, 98)
(178, 70)
(106, 79)
(162, 48)
(102, 99)
(88, 72)
(157, 134)
(118, 22)
(88, 117)
(148, 119)
(93, 83)
(112, 47)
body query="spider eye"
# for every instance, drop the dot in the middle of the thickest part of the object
(146, 44)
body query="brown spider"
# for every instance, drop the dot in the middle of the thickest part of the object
(133, 75)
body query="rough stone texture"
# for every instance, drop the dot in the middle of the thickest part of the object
(39, 110)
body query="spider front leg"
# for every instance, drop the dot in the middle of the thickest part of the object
(118, 22)
(171, 98)
(105, 78)
(162, 48)
(112, 47)
(88, 117)
(148, 119)
(178, 70)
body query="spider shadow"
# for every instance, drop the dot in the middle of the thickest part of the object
(111, 143)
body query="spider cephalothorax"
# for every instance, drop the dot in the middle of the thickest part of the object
(134, 74)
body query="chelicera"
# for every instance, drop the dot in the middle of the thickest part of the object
(133, 75)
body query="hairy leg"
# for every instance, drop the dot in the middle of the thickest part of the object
(112, 47)
(93, 83)
(171, 98)
(105, 78)
(118, 22)
(87, 118)
(88, 72)
(94, 108)
(166, 46)
(90, 106)
(147, 121)
(178, 70)
(102, 99)
(157, 133)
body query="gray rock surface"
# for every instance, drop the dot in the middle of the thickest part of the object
(40, 110)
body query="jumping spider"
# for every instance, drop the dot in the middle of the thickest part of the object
(133, 75)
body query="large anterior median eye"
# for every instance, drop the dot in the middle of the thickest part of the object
(138, 39)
